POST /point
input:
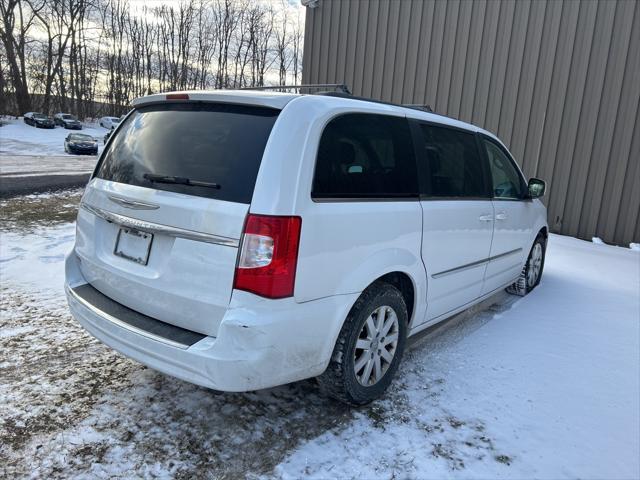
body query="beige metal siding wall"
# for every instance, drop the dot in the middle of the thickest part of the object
(557, 81)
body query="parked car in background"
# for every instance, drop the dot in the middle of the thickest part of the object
(109, 122)
(38, 120)
(67, 121)
(266, 238)
(81, 144)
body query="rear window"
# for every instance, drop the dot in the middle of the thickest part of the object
(203, 142)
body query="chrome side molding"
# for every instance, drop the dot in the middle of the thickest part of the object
(475, 264)
(157, 228)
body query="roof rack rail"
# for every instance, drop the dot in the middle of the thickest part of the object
(341, 90)
(424, 108)
(338, 87)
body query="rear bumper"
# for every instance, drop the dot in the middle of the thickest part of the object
(270, 343)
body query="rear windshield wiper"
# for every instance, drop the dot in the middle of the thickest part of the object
(179, 181)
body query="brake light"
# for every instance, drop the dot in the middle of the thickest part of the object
(269, 256)
(177, 96)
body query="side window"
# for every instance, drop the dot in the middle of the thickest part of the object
(507, 182)
(365, 156)
(449, 163)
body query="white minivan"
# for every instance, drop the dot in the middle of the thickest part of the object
(241, 240)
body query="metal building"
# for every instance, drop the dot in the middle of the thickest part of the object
(558, 81)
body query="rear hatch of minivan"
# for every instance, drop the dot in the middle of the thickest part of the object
(160, 222)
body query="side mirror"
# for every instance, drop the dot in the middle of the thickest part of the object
(537, 187)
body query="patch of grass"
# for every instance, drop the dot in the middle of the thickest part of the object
(31, 211)
(378, 415)
(503, 459)
(455, 423)
(449, 454)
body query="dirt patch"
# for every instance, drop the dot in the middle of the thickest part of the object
(32, 211)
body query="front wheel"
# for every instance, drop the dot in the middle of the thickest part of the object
(369, 347)
(532, 271)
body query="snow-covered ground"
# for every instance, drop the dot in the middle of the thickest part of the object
(546, 386)
(12, 166)
(18, 138)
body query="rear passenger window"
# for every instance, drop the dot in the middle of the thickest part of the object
(449, 163)
(365, 156)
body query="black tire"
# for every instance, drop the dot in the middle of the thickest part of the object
(526, 282)
(339, 379)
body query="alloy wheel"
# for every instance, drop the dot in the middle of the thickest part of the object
(376, 346)
(535, 265)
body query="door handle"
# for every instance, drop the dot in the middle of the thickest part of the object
(501, 216)
(485, 218)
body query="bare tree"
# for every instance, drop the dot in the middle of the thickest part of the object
(263, 36)
(68, 54)
(57, 18)
(282, 46)
(207, 39)
(226, 21)
(296, 52)
(17, 20)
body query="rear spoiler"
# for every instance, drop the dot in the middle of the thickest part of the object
(242, 97)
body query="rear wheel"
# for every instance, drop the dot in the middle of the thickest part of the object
(532, 271)
(369, 347)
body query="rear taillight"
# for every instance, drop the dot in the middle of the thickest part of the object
(268, 256)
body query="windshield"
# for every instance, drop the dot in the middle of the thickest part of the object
(115, 120)
(39, 115)
(81, 137)
(66, 116)
(204, 142)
